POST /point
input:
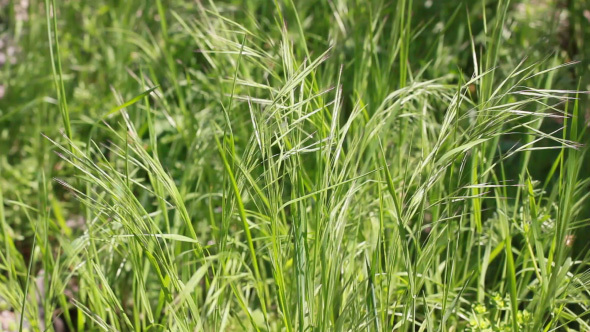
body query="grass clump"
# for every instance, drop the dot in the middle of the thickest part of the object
(295, 166)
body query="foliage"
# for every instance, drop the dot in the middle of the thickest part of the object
(322, 165)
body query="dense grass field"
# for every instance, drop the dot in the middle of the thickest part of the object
(317, 165)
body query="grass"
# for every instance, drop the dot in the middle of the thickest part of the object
(295, 166)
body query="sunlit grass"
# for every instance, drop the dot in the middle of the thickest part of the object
(286, 166)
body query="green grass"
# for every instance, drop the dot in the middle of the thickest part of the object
(286, 165)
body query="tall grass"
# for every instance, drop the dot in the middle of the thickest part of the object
(296, 166)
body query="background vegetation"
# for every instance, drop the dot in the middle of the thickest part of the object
(326, 165)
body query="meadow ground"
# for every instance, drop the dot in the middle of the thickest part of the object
(321, 165)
